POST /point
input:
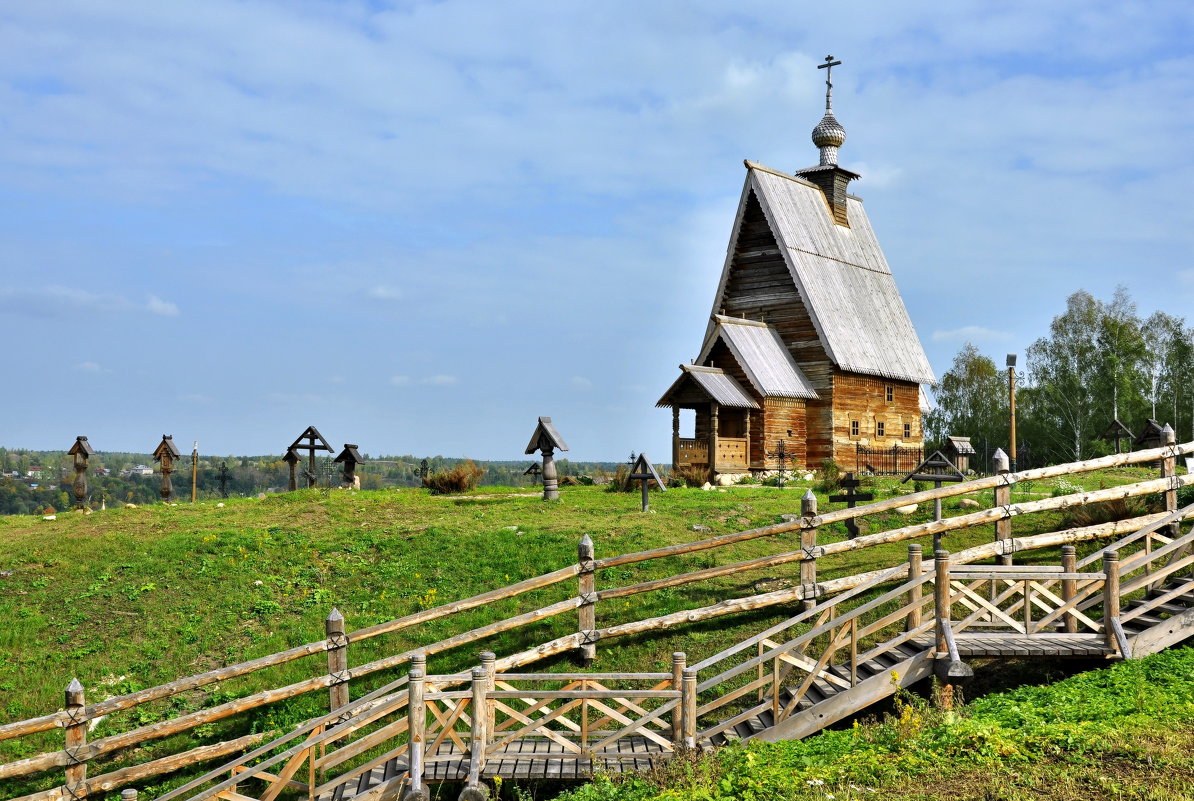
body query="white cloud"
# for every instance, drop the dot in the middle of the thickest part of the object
(161, 307)
(440, 380)
(400, 380)
(89, 367)
(580, 382)
(385, 293)
(971, 333)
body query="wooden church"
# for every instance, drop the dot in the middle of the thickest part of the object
(808, 342)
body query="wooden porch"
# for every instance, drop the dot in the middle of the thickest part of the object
(732, 454)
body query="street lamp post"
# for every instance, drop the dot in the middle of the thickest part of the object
(1011, 392)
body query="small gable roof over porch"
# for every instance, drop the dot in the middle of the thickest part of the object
(711, 382)
(762, 355)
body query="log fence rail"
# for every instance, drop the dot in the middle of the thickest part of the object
(1064, 596)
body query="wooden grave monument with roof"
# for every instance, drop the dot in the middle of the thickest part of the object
(808, 340)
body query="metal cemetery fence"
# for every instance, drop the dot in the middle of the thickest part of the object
(887, 461)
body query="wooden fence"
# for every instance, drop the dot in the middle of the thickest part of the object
(358, 730)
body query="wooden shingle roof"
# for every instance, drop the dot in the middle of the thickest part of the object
(762, 356)
(714, 382)
(841, 275)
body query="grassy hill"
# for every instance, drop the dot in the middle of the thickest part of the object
(133, 597)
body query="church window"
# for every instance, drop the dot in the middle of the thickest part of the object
(890, 394)
(880, 429)
(854, 428)
(907, 430)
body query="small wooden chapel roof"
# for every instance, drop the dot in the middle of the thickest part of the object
(762, 355)
(712, 382)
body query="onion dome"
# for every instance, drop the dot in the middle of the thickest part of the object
(828, 136)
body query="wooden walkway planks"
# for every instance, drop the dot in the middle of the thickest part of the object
(1018, 645)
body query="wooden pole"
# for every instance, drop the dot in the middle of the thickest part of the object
(679, 662)
(551, 476)
(488, 660)
(480, 738)
(688, 698)
(941, 597)
(915, 569)
(675, 438)
(1069, 564)
(417, 717)
(194, 470)
(1110, 594)
(337, 659)
(713, 425)
(76, 740)
(1003, 499)
(746, 414)
(808, 544)
(587, 587)
(1011, 392)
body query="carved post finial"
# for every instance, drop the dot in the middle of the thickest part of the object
(808, 504)
(999, 462)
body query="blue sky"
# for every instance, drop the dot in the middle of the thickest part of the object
(418, 226)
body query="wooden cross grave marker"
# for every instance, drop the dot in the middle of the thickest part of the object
(314, 442)
(780, 453)
(1116, 431)
(851, 497)
(938, 469)
(643, 471)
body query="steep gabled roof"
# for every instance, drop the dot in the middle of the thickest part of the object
(714, 382)
(841, 275)
(762, 356)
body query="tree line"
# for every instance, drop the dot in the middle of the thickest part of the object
(1100, 362)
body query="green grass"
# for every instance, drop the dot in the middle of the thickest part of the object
(1122, 732)
(133, 597)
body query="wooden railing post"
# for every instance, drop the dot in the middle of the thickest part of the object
(587, 612)
(688, 699)
(1069, 587)
(941, 597)
(915, 570)
(337, 659)
(1110, 595)
(1169, 471)
(488, 660)
(128, 795)
(417, 724)
(679, 662)
(479, 736)
(808, 544)
(76, 741)
(1003, 499)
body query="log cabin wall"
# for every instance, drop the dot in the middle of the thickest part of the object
(781, 415)
(863, 399)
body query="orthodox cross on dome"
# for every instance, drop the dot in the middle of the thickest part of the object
(828, 67)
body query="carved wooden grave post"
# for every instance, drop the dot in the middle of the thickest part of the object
(82, 451)
(643, 471)
(310, 440)
(165, 454)
(851, 497)
(350, 458)
(547, 440)
(292, 459)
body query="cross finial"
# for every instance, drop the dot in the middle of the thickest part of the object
(828, 67)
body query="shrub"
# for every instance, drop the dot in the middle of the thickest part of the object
(748, 479)
(621, 481)
(690, 476)
(464, 477)
(1092, 514)
(831, 477)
